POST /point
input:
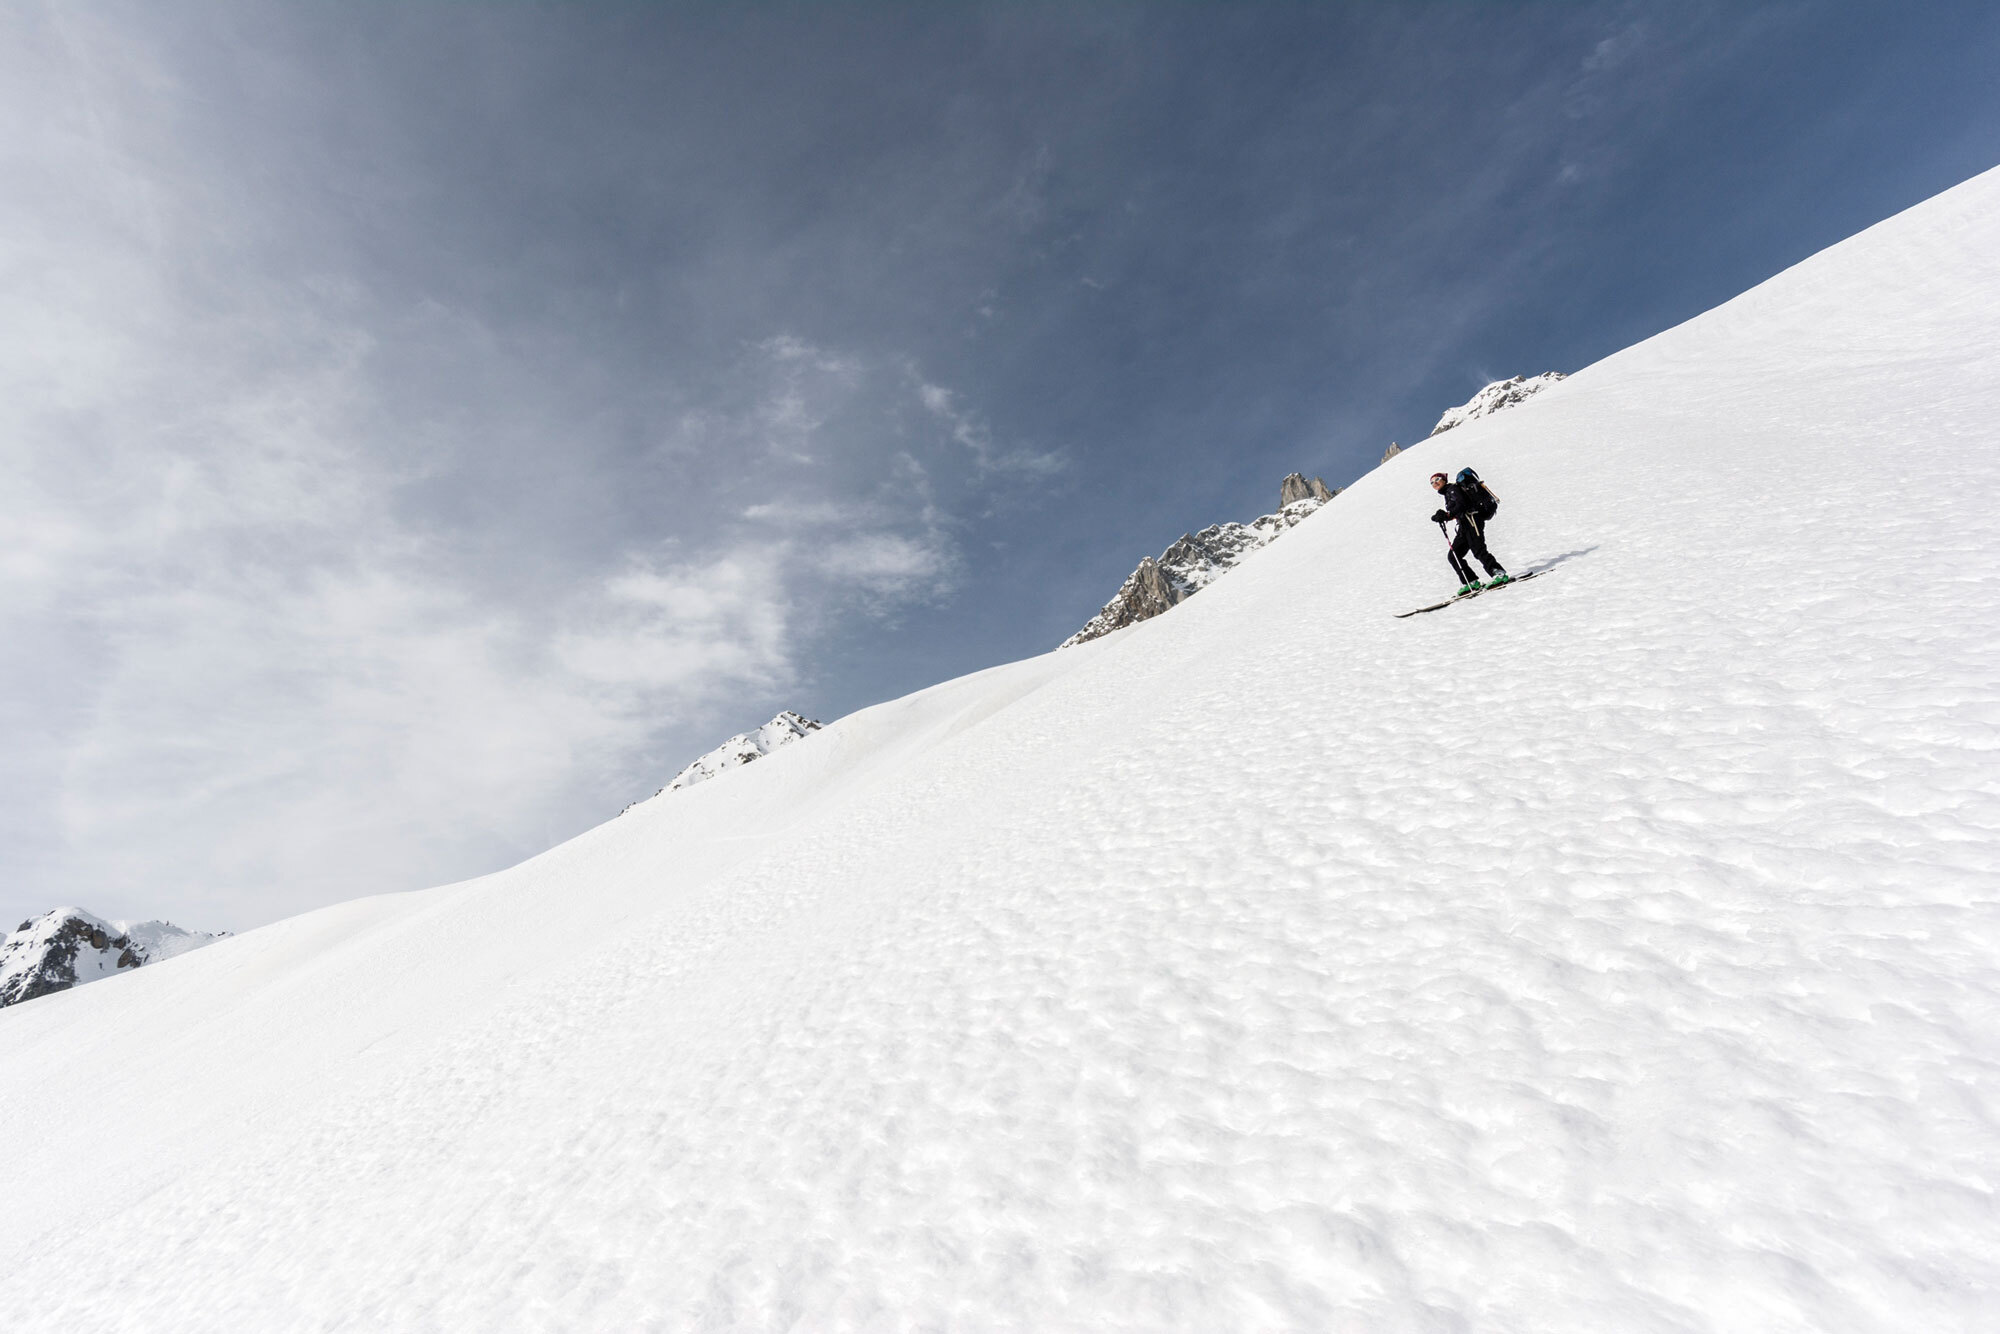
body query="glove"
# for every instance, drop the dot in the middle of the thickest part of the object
(1439, 517)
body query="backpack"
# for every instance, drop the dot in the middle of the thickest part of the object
(1489, 504)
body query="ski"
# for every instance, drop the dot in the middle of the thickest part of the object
(1463, 597)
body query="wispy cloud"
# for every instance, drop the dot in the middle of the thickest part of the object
(969, 430)
(1593, 86)
(889, 568)
(686, 629)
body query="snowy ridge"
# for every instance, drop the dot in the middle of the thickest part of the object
(743, 748)
(67, 947)
(1494, 397)
(1616, 953)
(1199, 559)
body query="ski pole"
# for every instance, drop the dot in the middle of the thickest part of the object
(1451, 552)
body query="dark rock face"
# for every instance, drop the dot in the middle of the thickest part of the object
(1392, 451)
(1296, 487)
(68, 947)
(1198, 559)
(53, 965)
(1146, 592)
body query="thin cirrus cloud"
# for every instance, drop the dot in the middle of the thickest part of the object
(973, 435)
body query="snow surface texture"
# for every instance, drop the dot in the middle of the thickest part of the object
(68, 947)
(1500, 394)
(1617, 952)
(1198, 560)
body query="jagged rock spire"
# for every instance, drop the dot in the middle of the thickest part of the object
(1296, 487)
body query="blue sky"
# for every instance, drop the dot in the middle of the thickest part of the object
(426, 426)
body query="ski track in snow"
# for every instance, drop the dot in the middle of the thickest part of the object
(1618, 952)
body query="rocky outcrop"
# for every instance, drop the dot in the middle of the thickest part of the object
(68, 947)
(742, 749)
(1199, 559)
(1296, 488)
(1500, 394)
(1191, 564)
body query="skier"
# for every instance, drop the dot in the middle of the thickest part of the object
(1469, 502)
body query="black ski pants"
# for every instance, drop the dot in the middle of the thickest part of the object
(1470, 541)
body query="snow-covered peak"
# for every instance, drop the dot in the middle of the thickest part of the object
(67, 947)
(743, 748)
(1500, 394)
(739, 750)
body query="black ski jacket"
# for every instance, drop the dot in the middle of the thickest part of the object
(1459, 501)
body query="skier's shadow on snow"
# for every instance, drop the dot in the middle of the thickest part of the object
(1554, 561)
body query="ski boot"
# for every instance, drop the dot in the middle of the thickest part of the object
(1502, 578)
(1472, 587)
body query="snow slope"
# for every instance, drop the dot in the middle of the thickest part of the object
(1615, 952)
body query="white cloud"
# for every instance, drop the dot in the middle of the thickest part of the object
(791, 350)
(1614, 50)
(273, 687)
(889, 565)
(262, 645)
(689, 629)
(1597, 85)
(794, 513)
(242, 675)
